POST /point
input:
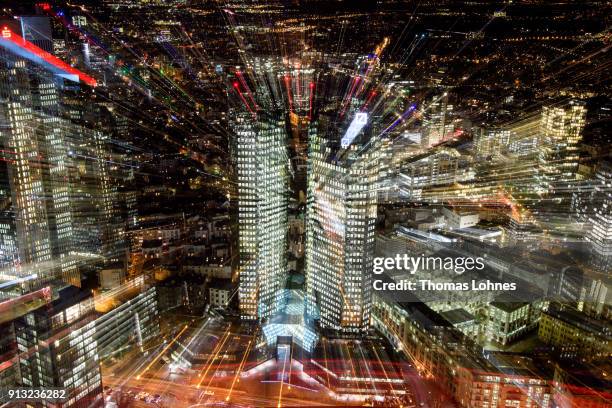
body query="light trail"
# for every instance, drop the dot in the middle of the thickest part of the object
(236, 86)
(162, 352)
(282, 382)
(216, 369)
(349, 96)
(19, 46)
(213, 356)
(240, 367)
(246, 87)
(290, 368)
(310, 99)
(367, 102)
(289, 95)
(326, 367)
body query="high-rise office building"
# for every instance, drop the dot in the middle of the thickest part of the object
(44, 186)
(57, 348)
(39, 214)
(560, 132)
(600, 219)
(437, 121)
(340, 227)
(25, 169)
(490, 143)
(8, 238)
(11, 310)
(263, 189)
(55, 143)
(99, 224)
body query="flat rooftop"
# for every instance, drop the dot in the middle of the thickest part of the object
(458, 316)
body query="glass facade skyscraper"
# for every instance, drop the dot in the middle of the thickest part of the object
(20, 138)
(57, 348)
(54, 171)
(560, 132)
(340, 228)
(262, 167)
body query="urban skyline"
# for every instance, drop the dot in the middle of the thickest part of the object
(300, 203)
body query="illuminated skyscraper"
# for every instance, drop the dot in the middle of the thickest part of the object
(262, 167)
(57, 348)
(600, 220)
(8, 243)
(25, 167)
(38, 217)
(341, 217)
(560, 133)
(437, 124)
(37, 168)
(98, 225)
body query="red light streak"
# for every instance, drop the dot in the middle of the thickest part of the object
(297, 88)
(347, 101)
(312, 86)
(372, 95)
(19, 41)
(244, 101)
(244, 84)
(288, 85)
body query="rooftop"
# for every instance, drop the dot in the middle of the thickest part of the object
(457, 316)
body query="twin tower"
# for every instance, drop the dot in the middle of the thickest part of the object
(340, 219)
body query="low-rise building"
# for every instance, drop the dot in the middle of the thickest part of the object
(134, 321)
(220, 292)
(509, 319)
(456, 218)
(209, 267)
(58, 349)
(152, 249)
(452, 361)
(463, 320)
(573, 334)
(112, 276)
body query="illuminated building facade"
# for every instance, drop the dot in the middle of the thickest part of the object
(99, 225)
(133, 322)
(8, 244)
(524, 137)
(490, 143)
(574, 334)
(340, 229)
(508, 321)
(437, 122)
(600, 219)
(560, 133)
(26, 175)
(11, 310)
(57, 348)
(443, 354)
(47, 199)
(262, 168)
(9, 374)
(518, 384)
(442, 167)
